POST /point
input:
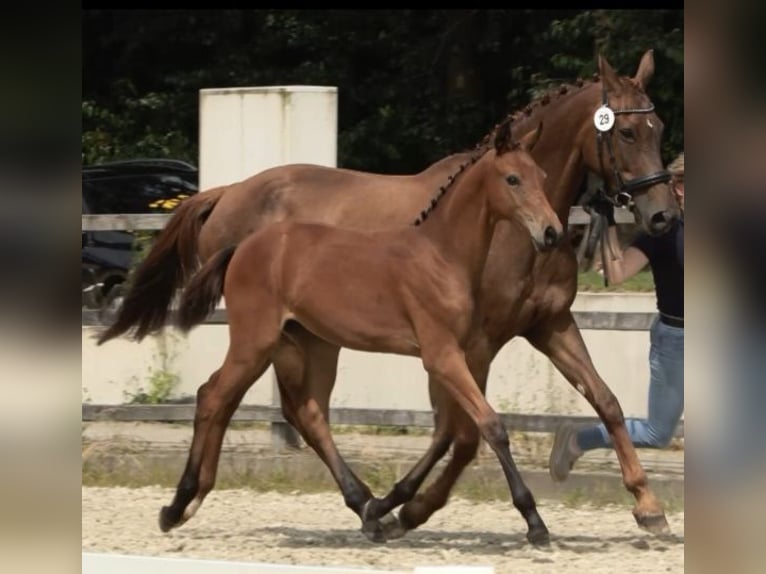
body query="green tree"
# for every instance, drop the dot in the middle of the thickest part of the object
(414, 85)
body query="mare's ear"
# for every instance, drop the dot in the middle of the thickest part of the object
(503, 138)
(608, 75)
(528, 141)
(645, 69)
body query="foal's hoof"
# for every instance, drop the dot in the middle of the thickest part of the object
(654, 523)
(167, 521)
(374, 532)
(539, 536)
(383, 530)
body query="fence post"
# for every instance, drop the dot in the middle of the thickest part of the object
(244, 131)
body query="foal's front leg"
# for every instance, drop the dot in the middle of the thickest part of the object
(446, 361)
(451, 426)
(561, 340)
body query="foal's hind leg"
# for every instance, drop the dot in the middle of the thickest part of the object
(561, 340)
(246, 360)
(306, 368)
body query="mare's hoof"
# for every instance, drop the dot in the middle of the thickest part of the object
(539, 536)
(654, 523)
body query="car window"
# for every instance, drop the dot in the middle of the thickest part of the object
(136, 193)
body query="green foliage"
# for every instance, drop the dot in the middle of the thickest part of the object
(414, 85)
(161, 380)
(133, 126)
(592, 281)
(623, 36)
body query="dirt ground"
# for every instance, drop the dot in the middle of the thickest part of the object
(303, 526)
(316, 529)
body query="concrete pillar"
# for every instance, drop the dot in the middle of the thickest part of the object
(244, 131)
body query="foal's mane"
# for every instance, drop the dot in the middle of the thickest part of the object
(487, 141)
(481, 148)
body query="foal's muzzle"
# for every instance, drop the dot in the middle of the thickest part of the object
(551, 237)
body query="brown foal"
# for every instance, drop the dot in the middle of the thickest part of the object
(409, 291)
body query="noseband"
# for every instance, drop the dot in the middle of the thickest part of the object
(626, 189)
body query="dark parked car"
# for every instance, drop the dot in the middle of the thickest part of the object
(134, 186)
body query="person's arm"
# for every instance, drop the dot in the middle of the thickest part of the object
(625, 264)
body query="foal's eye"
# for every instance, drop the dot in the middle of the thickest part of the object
(628, 134)
(513, 180)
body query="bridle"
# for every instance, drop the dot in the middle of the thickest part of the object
(626, 189)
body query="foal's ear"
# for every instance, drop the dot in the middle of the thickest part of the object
(503, 138)
(645, 69)
(528, 141)
(608, 76)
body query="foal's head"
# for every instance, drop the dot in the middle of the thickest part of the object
(515, 188)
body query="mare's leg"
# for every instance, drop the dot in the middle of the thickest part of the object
(306, 368)
(561, 340)
(447, 363)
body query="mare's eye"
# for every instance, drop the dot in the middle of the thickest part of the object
(628, 134)
(513, 180)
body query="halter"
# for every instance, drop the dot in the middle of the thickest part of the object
(626, 188)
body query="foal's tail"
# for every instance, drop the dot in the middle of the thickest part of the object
(167, 266)
(205, 289)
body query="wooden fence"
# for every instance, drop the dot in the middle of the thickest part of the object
(595, 320)
(156, 221)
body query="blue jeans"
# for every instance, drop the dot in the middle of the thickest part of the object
(739, 451)
(666, 395)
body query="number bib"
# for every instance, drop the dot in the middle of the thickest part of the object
(603, 119)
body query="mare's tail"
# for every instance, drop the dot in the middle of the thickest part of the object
(167, 266)
(205, 289)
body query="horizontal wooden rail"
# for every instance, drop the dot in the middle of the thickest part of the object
(339, 416)
(586, 320)
(156, 221)
(125, 222)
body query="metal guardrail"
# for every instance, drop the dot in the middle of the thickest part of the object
(591, 320)
(586, 320)
(156, 221)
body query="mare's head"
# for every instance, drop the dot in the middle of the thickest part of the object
(627, 146)
(515, 187)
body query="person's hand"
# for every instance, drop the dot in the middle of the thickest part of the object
(603, 207)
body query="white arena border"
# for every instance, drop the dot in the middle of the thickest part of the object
(97, 563)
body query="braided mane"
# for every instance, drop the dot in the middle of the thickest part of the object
(478, 151)
(552, 94)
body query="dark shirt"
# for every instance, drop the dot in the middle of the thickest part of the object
(741, 233)
(666, 258)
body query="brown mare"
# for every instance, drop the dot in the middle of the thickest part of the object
(408, 291)
(521, 294)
